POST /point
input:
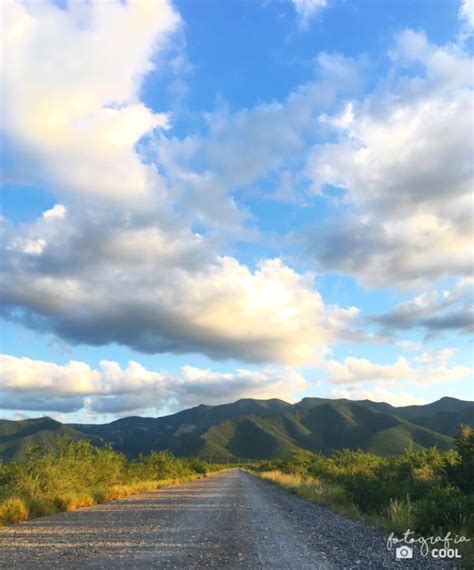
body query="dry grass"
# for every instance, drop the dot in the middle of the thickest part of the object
(121, 491)
(72, 501)
(16, 509)
(314, 490)
(286, 480)
(13, 510)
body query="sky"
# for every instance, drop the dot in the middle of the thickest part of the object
(205, 201)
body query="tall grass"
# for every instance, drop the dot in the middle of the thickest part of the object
(80, 475)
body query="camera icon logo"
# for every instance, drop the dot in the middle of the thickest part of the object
(404, 553)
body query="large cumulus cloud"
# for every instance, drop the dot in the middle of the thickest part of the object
(93, 281)
(404, 160)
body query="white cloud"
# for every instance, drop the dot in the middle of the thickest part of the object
(24, 374)
(97, 282)
(70, 92)
(195, 384)
(379, 395)
(245, 147)
(409, 345)
(28, 384)
(466, 14)
(353, 370)
(404, 159)
(57, 211)
(436, 357)
(308, 9)
(27, 246)
(433, 368)
(123, 267)
(435, 311)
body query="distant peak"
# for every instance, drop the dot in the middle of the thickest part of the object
(450, 399)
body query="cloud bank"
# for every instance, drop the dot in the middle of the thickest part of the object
(27, 384)
(99, 282)
(358, 370)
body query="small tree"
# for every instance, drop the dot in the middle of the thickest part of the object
(464, 472)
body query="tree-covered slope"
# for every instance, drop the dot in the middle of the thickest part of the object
(16, 437)
(322, 428)
(447, 422)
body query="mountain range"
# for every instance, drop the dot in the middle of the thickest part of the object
(259, 429)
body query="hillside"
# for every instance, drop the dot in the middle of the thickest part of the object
(260, 429)
(447, 422)
(16, 437)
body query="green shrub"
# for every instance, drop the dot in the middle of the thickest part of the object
(77, 474)
(41, 507)
(444, 508)
(424, 490)
(400, 514)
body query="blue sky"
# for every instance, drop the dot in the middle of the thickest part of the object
(204, 201)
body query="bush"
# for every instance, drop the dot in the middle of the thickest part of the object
(41, 507)
(13, 510)
(99, 496)
(446, 509)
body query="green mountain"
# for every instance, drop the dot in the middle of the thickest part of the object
(444, 405)
(261, 429)
(447, 422)
(16, 437)
(181, 433)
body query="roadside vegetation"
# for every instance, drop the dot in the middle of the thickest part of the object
(428, 491)
(77, 474)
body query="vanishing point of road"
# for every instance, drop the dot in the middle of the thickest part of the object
(229, 520)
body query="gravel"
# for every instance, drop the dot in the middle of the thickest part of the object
(230, 520)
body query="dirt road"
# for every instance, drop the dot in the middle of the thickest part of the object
(231, 520)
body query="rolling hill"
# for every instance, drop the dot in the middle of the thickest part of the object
(261, 429)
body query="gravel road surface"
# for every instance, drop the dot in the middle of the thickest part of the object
(230, 520)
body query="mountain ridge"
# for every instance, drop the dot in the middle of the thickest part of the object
(260, 429)
(17, 437)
